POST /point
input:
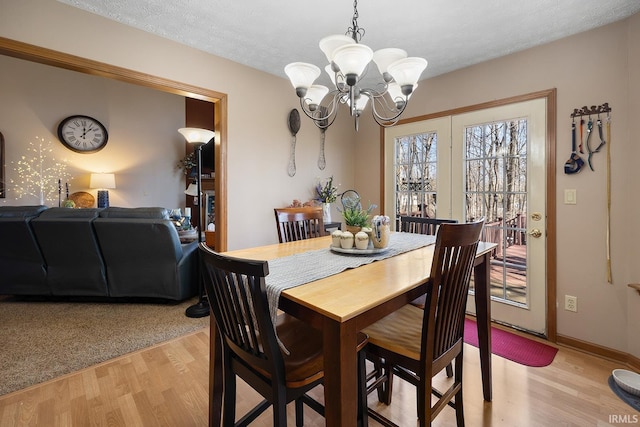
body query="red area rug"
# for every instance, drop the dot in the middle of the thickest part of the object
(511, 346)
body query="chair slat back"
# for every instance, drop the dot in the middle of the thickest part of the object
(299, 223)
(237, 295)
(454, 254)
(419, 225)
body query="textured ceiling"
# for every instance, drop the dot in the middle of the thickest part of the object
(450, 34)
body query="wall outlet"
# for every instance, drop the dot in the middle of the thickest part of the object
(571, 303)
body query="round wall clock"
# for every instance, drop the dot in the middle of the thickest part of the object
(82, 134)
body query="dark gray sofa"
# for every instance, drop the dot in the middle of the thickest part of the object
(113, 252)
(22, 267)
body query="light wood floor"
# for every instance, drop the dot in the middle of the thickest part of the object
(167, 385)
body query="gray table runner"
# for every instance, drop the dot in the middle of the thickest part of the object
(295, 270)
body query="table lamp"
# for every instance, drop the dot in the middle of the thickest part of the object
(102, 181)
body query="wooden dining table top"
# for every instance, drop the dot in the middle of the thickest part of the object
(344, 296)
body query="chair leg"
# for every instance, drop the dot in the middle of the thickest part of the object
(449, 370)
(458, 399)
(299, 412)
(362, 390)
(280, 412)
(385, 392)
(229, 399)
(383, 381)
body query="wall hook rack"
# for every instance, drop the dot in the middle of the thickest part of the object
(593, 110)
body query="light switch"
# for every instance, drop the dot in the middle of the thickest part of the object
(570, 196)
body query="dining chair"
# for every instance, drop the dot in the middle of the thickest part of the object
(419, 225)
(299, 223)
(251, 345)
(415, 344)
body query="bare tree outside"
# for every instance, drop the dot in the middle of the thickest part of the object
(495, 168)
(496, 189)
(416, 164)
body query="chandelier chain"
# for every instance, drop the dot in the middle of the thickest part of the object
(355, 32)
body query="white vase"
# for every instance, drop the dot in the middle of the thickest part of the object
(326, 213)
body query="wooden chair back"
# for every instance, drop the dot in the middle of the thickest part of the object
(443, 324)
(419, 225)
(237, 296)
(299, 223)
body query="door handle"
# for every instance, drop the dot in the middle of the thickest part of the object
(535, 233)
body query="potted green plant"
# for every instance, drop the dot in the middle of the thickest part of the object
(355, 217)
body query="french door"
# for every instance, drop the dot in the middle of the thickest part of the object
(490, 164)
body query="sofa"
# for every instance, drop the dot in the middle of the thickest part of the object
(112, 252)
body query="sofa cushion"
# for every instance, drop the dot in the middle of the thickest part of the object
(21, 211)
(22, 267)
(70, 248)
(145, 212)
(54, 213)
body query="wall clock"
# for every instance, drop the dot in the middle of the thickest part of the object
(82, 134)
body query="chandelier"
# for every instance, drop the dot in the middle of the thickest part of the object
(349, 62)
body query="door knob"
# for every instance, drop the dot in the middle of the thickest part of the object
(535, 233)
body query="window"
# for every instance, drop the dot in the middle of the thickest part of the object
(415, 168)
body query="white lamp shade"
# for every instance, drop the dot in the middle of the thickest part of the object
(196, 135)
(315, 94)
(331, 73)
(352, 58)
(329, 44)
(102, 180)
(406, 72)
(301, 74)
(396, 92)
(192, 190)
(385, 57)
(361, 102)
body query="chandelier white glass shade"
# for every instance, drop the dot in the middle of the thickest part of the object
(349, 61)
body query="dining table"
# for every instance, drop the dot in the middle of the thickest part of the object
(342, 304)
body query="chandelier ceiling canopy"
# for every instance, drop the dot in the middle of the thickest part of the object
(349, 61)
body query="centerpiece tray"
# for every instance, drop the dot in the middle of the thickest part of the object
(356, 251)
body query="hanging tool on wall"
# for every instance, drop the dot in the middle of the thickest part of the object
(322, 124)
(575, 162)
(609, 275)
(294, 127)
(602, 141)
(581, 136)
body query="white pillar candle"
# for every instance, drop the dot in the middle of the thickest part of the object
(187, 212)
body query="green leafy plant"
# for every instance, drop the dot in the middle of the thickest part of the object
(357, 217)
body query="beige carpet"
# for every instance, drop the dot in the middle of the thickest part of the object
(43, 340)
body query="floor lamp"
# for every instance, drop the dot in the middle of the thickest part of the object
(198, 137)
